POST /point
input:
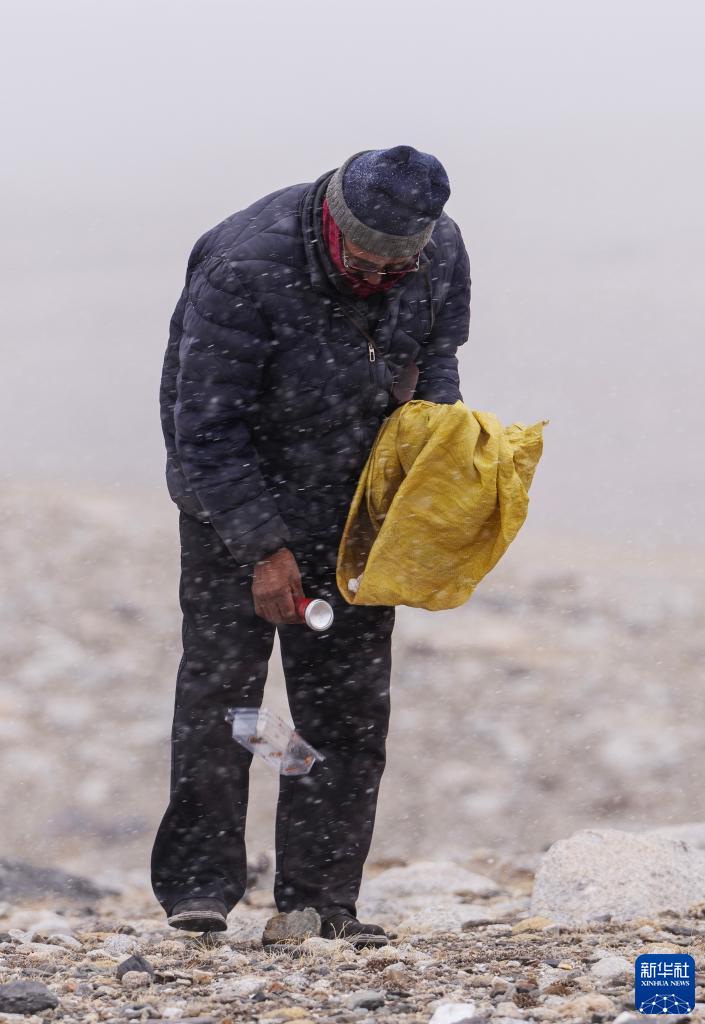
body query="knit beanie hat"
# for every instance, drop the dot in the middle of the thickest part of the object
(387, 201)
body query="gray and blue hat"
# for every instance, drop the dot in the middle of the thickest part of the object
(387, 201)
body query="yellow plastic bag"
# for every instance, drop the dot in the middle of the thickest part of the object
(442, 495)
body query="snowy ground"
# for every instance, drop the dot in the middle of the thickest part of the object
(567, 692)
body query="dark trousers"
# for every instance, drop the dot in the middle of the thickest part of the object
(338, 690)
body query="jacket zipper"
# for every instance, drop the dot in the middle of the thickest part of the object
(371, 347)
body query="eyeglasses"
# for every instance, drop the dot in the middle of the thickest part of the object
(363, 267)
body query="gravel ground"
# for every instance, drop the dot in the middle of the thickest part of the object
(504, 965)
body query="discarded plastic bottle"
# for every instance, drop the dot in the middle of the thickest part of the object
(315, 612)
(267, 735)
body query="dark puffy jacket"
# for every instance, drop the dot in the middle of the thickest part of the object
(272, 388)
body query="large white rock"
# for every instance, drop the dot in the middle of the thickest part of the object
(691, 832)
(427, 878)
(625, 874)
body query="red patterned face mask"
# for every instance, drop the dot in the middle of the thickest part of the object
(333, 237)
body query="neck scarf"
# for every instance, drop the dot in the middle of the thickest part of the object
(333, 238)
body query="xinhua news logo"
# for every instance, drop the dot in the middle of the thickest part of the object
(664, 983)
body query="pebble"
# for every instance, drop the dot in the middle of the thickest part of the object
(26, 997)
(67, 941)
(587, 1004)
(170, 947)
(612, 969)
(202, 977)
(37, 947)
(40, 956)
(366, 999)
(499, 984)
(532, 924)
(397, 977)
(135, 979)
(479, 980)
(235, 960)
(119, 945)
(292, 927)
(133, 964)
(453, 1013)
(246, 986)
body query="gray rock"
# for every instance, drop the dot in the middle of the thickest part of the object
(365, 999)
(26, 997)
(624, 874)
(134, 963)
(292, 927)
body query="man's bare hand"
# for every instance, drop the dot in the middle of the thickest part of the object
(276, 582)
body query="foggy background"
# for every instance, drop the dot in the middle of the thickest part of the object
(573, 139)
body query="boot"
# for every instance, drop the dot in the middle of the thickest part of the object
(199, 914)
(339, 923)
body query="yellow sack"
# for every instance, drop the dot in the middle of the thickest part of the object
(441, 497)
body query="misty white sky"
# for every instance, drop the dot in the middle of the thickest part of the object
(573, 137)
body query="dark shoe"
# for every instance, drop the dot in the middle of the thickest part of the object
(341, 924)
(199, 914)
